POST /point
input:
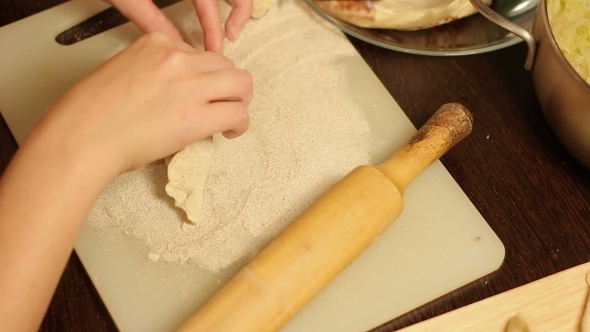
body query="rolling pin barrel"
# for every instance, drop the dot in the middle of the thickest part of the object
(319, 244)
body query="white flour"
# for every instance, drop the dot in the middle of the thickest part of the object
(306, 133)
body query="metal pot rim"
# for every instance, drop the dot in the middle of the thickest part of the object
(542, 18)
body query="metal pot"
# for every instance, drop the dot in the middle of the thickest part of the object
(563, 95)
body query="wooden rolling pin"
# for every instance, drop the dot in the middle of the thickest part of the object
(303, 259)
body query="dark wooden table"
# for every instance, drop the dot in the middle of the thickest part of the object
(532, 193)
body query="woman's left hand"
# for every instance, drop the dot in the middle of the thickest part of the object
(149, 18)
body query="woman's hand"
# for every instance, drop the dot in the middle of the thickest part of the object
(150, 101)
(147, 102)
(149, 18)
(208, 13)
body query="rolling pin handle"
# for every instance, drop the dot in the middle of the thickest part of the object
(446, 127)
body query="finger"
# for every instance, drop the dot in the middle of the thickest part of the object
(241, 12)
(228, 85)
(206, 62)
(229, 118)
(231, 134)
(148, 18)
(208, 14)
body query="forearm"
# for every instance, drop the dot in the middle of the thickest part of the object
(45, 196)
(145, 103)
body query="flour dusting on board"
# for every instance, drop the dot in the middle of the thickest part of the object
(305, 135)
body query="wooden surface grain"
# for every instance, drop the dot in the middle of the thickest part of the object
(556, 303)
(532, 193)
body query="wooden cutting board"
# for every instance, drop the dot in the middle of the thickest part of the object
(555, 303)
(438, 244)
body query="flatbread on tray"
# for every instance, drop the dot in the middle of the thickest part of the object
(398, 14)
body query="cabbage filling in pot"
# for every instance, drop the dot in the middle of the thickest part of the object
(570, 24)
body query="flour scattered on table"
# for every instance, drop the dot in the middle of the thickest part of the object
(306, 133)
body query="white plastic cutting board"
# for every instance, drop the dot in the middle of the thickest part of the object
(438, 244)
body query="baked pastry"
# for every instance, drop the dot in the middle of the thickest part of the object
(398, 14)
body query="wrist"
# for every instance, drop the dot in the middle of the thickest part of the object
(60, 153)
(46, 194)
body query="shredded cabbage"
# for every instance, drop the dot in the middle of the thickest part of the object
(570, 23)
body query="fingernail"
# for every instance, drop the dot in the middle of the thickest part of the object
(230, 134)
(233, 35)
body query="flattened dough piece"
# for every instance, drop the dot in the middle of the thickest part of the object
(518, 324)
(187, 173)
